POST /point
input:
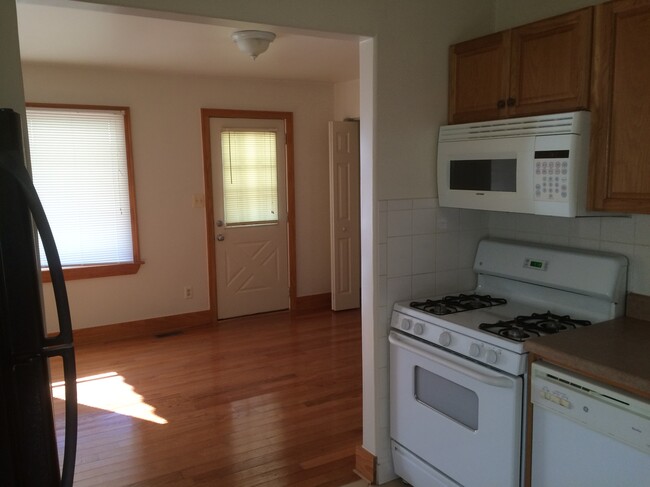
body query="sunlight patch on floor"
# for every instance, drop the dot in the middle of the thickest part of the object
(110, 392)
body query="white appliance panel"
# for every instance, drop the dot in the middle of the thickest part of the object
(550, 153)
(438, 395)
(585, 433)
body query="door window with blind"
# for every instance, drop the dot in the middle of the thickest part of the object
(250, 184)
(83, 172)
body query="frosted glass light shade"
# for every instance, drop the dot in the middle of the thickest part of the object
(253, 42)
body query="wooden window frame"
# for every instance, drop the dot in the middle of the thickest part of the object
(117, 268)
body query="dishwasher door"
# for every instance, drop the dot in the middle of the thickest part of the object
(586, 434)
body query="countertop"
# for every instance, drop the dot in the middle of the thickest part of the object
(615, 352)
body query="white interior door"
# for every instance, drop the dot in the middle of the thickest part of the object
(250, 207)
(344, 215)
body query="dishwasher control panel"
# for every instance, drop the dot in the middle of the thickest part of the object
(596, 406)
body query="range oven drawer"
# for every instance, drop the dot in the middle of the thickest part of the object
(461, 418)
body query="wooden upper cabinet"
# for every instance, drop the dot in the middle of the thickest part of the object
(620, 142)
(550, 63)
(478, 83)
(534, 69)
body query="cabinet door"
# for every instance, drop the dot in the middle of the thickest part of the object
(550, 65)
(478, 77)
(620, 143)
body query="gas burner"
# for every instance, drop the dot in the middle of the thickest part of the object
(515, 333)
(456, 304)
(549, 323)
(537, 324)
(508, 329)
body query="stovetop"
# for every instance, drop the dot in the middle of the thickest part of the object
(490, 329)
(518, 328)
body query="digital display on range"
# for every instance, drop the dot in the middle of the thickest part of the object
(539, 265)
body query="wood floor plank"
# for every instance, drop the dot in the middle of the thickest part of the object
(268, 400)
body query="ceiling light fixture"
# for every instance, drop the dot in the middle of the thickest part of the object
(253, 42)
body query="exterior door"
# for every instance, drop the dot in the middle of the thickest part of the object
(344, 215)
(250, 211)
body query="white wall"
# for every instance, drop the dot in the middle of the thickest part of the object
(511, 13)
(346, 100)
(165, 112)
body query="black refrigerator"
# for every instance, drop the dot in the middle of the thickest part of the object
(29, 455)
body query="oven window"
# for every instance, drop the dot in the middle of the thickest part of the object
(447, 397)
(484, 175)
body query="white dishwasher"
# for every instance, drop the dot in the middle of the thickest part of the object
(586, 434)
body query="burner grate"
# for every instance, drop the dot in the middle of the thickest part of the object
(537, 324)
(457, 304)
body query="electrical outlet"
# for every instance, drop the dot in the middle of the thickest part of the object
(198, 201)
(187, 292)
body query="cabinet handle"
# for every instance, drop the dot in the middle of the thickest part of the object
(511, 102)
(501, 104)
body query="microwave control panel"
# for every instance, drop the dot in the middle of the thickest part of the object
(551, 178)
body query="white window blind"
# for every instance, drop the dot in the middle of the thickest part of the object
(250, 181)
(79, 167)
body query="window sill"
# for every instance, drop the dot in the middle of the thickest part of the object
(91, 272)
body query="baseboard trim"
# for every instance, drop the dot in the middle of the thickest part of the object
(365, 464)
(141, 328)
(314, 302)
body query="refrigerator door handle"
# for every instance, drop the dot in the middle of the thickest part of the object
(62, 344)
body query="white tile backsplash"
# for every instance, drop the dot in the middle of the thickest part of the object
(399, 223)
(424, 250)
(448, 220)
(399, 256)
(424, 258)
(617, 229)
(398, 289)
(627, 235)
(399, 205)
(639, 279)
(585, 228)
(423, 285)
(447, 251)
(424, 221)
(642, 230)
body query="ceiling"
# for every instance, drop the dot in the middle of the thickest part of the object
(71, 33)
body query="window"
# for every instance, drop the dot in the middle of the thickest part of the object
(250, 181)
(83, 172)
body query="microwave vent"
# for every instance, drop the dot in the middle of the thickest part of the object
(555, 124)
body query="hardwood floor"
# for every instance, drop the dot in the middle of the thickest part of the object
(269, 400)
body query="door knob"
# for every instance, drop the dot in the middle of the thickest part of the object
(220, 237)
(220, 223)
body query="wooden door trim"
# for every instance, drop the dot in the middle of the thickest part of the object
(287, 118)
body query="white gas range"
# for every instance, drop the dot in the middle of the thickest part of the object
(458, 365)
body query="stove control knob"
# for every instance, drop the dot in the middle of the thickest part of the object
(418, 329)
(444, 339)
(406, 324)
(491, 357)
(475, 350)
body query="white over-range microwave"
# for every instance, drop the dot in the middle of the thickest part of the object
(534, 165)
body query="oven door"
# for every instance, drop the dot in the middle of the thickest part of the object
(462, 418)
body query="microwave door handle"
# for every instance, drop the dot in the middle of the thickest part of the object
(62, 344)
(426, 353)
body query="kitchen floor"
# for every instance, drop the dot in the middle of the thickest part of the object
(363, 483)
(269, 400)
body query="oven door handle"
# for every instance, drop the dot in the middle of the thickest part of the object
(427, 353)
